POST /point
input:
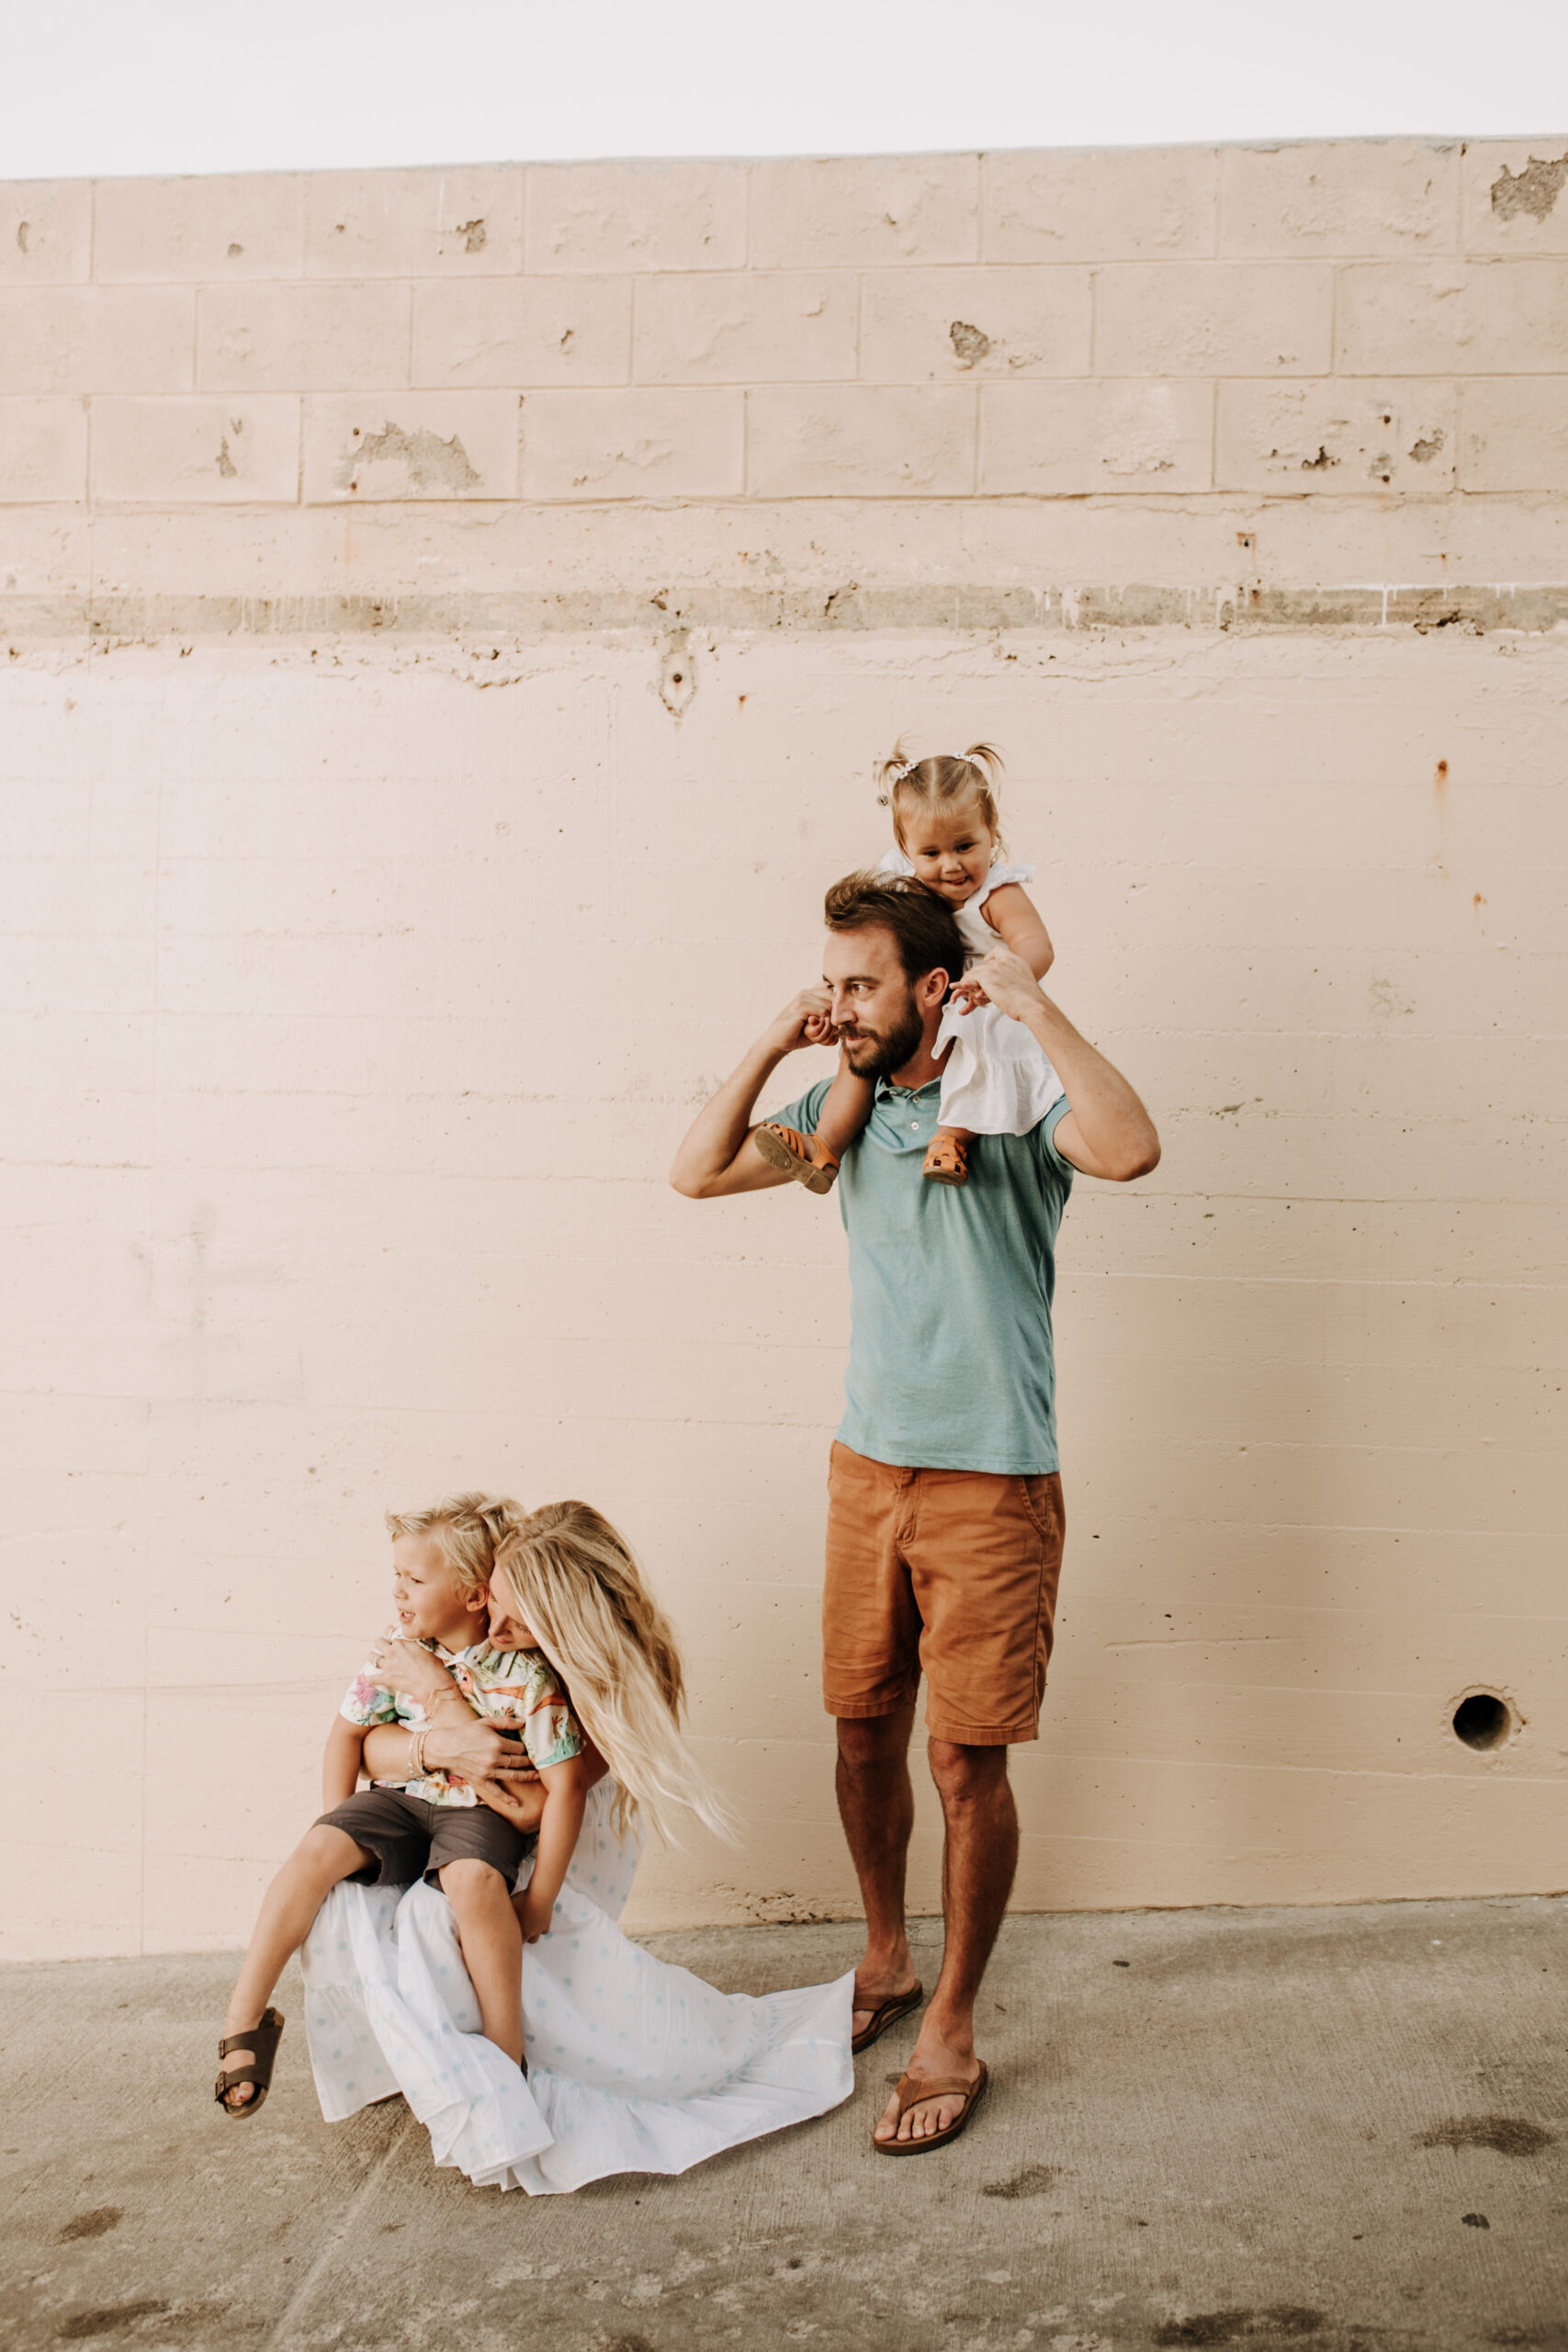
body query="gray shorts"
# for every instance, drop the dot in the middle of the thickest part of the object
(413, 1839)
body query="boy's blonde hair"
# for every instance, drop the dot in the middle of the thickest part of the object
(577, 1584)
(468, 1530)
(944, 782)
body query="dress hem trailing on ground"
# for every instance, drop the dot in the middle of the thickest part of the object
(634, 2066)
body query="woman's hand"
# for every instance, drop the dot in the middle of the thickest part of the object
(412, 1671)
(534, 1917)
(520, 1800)
(477, 1752)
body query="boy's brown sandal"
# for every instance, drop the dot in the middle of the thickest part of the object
(947, 1161)
(804, 1157)
(912, 2090)
(888, 2013)
(262, 2041)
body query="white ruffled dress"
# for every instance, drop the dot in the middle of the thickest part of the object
(633, 2065)
(996, 1079)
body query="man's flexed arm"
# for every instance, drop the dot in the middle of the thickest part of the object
(716, 1156)
(1106, 1130)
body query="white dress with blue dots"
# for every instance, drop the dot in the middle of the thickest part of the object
(633, 2065)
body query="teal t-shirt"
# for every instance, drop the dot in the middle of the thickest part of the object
(951, 1364)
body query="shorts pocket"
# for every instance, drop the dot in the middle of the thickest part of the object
(1038, 1501)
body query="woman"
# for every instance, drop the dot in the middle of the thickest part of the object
(632, 2065)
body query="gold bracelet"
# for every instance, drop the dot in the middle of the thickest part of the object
(416, 1754)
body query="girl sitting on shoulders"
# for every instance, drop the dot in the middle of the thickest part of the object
(995, 1079)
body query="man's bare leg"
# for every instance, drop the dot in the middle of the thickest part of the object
(876, 1806)
(979, 1861)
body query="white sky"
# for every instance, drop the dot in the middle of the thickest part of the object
(185, 85)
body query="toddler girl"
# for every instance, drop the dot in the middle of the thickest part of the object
(996, 1081)
(491, 1601)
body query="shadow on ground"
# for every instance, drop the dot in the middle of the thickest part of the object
(1340, 2130)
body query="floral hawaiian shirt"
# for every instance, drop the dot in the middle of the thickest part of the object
(517, 1687)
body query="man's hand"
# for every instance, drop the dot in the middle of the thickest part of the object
(716, 1157)
(1000, 978)
(802, 1022)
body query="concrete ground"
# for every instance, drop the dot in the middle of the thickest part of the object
(1330, 2128)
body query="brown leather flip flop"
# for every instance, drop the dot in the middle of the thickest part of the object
(909, 2094)
(261, 2043)
(888, 2014)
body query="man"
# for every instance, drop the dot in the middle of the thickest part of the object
(945, 1521)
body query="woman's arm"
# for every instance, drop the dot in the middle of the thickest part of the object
(458, 1739)
(340, 1766)
(454, 1743)
(1014, 917)
(566, 1793)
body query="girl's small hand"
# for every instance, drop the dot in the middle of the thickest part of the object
(1003, 980)
(819, 1031)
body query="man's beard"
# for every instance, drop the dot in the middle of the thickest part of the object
(878, 1053)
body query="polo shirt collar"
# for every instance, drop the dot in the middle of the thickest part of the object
(885, 1087)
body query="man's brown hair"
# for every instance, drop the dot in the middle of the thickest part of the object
(926, 937)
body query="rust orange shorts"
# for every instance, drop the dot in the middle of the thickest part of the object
(948, 1573)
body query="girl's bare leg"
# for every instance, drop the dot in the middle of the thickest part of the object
(846, 1110)
(491, 1943)
(321, 1859)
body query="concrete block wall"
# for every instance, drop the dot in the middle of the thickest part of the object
(447, 622)
(1334, 320)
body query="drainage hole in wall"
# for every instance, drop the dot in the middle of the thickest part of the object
(1482, 1720)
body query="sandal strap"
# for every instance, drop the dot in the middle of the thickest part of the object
(232, 2074)
(262, 2038)
(912, 2089)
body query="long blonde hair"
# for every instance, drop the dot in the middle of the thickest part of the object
(945, 781)
(576, 1583)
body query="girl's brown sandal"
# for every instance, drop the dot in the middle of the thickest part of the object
(947, 1161)
(262, 2041)
(804, 1157)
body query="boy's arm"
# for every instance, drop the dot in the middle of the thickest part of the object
(340, 1764)
(566, 1793)
(1014, 917)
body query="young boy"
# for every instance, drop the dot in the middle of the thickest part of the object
(430, 1825)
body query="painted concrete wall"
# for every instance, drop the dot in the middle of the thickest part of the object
(446, 623)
